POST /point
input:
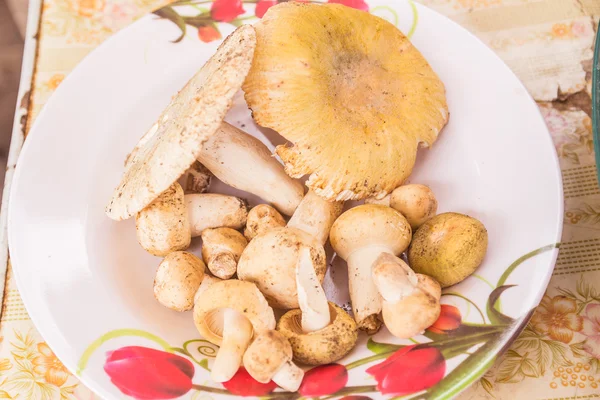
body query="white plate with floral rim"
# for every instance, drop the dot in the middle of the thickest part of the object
(87, 284)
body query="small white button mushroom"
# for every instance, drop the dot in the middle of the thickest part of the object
(262, 218)
(409, 307)
(320, 332)
(316, 215)
(360, 236)
(178, 277)
(269, 357)
(170, 221)
(245, 163)
(270, 260)
(221, 250)
(416, 202)
(229, 313)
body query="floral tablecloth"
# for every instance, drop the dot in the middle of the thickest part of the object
(547, 43)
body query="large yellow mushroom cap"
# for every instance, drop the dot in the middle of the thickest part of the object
(350, 92)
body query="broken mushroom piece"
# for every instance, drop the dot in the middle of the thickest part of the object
(360, 236)
(320, 332)
(262, 218)
(196, 179)
(411, 302)
(193, 115)
(269, 357)
(340, 91)
(315, 216)
(221, 250)
(242, 161)
(177, 280)
(170, 221)
(416, 202)
(228, 314)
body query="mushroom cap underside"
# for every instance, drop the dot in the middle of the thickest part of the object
(193, 115)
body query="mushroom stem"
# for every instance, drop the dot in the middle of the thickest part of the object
(244, 162)
(289, 376)
(366, 300)
(315, 216)
(237, 334)
(393, 278)
(209, 210)
(311, 296)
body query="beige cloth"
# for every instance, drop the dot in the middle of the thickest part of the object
(548, 44)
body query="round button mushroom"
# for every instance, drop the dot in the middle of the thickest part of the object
(170, 221)
(320, 332)
(269, 357)
(416, 202)
(411, 302)
(360, 236)
(178, 277)
(228, 314)
(270, 258)
(221, 250)
(262, 218)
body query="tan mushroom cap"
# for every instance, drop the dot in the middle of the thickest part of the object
(190, 119)
(262, 218)
(370, 224)
(270, 261)
(349, 91)
(265, 356)
(416, 312)
(323, 346)
(243, 297)
(221, 250)
(177, 280)
(164, 225)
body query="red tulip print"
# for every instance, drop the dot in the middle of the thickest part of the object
(449, 320)
(409, 370)
(358, 4)
(226, 10)
(262, 6)
(145, 373)
(356, 397)
(323, 380)
(208, 33)
(242, 384)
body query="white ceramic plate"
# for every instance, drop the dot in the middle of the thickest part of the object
(87, 284)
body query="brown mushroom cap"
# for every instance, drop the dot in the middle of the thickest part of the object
(323, 346)
(270, 261)
(265, 356)
(370, 224)
(349, 91)
(243, 297)
(191, 118)
(178, 277)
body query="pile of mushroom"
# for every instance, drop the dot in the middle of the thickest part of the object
(253, 259)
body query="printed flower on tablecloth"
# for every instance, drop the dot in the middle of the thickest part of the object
(591, 329)
(48, 365)
(118, 15)
(262, 6)
(557, 317)
(561, 30)
(87, 8)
